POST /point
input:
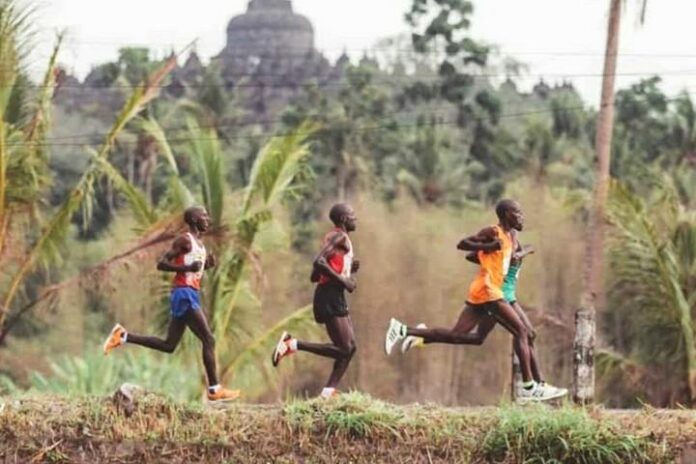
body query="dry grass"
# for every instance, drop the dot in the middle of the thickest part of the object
(353, 428)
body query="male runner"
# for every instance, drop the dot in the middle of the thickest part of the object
(510, 295)
(485, 305)
(332, 271)
(188, 259)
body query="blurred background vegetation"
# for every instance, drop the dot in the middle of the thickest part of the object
(422, 144)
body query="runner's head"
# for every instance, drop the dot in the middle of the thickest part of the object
(197, 217)
(342, 215)
(510, 214)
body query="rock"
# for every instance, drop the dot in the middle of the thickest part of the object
(124, 398)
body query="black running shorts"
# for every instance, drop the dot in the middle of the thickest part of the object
(329, 302)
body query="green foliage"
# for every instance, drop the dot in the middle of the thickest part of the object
(135, 64)
(95, 375)
(651, 256)
(364, 431)
(211, 93)
(353, 414)
(568, 435)
(207, 157)
(230, 299)
(81, 196)
(444, 32)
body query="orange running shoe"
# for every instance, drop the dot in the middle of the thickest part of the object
(223, 394)
(115, 339)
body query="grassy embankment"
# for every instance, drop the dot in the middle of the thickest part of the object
(353, 428)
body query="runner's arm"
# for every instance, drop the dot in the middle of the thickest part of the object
(181, 246)
(486, 240)
(321, 263)
(523, 251)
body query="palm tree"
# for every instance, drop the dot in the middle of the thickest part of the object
(47, 244)
(240, 220)
(233, 305)
(652, 257)
(585, 317)
(23, 125)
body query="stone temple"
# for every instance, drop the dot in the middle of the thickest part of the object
(270, 54)
(269, 57)
(268, 28)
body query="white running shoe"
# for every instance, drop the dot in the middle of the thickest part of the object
(395, 333)
(539, 392)
(327, 393)
(283, 348)
(413, 342)
(557, 392)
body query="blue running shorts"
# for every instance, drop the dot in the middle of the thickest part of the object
(183, 299)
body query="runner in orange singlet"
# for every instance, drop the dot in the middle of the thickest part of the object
(485, 304)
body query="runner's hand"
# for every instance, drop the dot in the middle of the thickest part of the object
(195, 266)
(210, 261)
(350, 284)
(355, 267)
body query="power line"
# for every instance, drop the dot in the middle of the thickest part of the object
(446, 108)
(383, 80)
(390, 125)
(392, 49)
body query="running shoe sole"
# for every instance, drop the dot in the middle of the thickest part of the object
(275, 357)
(392, 337)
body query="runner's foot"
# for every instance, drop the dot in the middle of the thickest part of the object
(413, 342)
(539, 392)
(285, 347)
(556, 390)
(395, 333)
(221, 395)
(328, 393)
(116, 338)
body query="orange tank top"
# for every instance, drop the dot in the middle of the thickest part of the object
(488, 284)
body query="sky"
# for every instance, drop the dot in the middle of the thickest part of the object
(558, 39)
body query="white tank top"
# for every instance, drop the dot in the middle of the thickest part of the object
(197, 253)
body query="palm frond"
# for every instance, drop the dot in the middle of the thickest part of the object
(178, 195)
(80, 196)
(207, 154)
(277, 166)
(15, 23)
(41, 119)
(646, 273)
(14, 32)
(152, 128)
(271, 180)
(251, 365)
(143, 211)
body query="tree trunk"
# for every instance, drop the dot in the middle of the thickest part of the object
(583, 347)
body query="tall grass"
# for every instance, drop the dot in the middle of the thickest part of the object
(564, 436)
